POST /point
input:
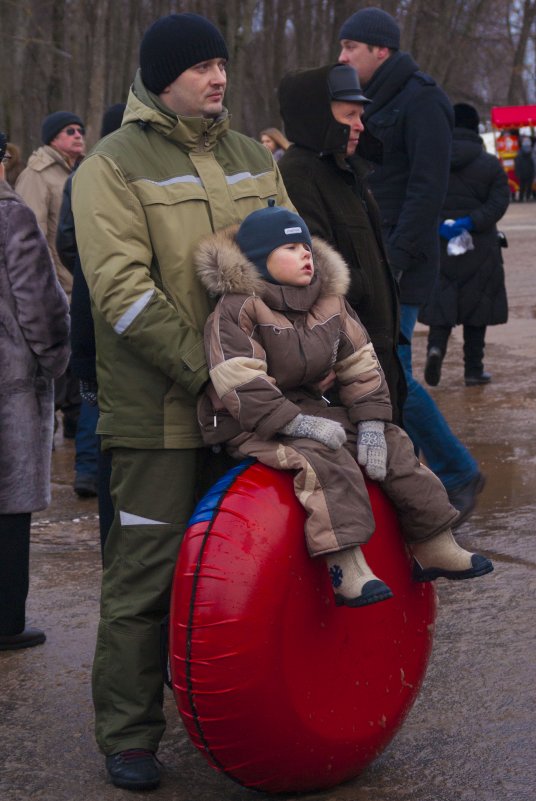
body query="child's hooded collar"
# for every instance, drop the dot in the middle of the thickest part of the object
(224, 269)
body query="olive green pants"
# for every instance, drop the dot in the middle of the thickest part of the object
(153, 492)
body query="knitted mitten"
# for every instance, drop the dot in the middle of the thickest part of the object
(329, 432)
(372, 449)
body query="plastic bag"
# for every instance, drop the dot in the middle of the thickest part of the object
(460, 244)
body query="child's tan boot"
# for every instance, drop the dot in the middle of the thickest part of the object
(353, 581)
(442, 557)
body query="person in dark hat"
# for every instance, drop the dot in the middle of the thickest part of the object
(41, 185)
(322, 110)
(91, 466)
(413, 119)
(471, 289)
(172, 173)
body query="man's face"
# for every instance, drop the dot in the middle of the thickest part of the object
(349, 114)
(198, 91)
(70, 142)
(364, 58)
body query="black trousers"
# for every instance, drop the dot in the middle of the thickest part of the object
(473, 345)
(14, 571)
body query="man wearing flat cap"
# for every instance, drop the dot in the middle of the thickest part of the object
(173, 173)
(413, 118)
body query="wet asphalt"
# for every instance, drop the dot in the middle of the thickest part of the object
(471, 735)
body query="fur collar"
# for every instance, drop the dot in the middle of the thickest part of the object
(223, 268)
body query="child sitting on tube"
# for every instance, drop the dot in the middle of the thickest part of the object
(280, 327)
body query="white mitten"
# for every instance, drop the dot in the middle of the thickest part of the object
(372, 449)
(329, 432)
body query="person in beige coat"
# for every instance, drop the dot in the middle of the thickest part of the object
(281, 326)
(41, 185)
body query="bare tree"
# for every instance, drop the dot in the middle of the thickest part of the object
(82, 55)
(521, 21)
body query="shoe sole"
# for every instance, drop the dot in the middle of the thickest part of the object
(134, 785)
(340, 600)
(476, 382)
(86, 493)
(19, 646)
(432, 573)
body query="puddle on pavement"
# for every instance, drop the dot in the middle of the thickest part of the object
(510, 476)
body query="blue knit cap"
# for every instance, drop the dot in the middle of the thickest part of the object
(264, 230)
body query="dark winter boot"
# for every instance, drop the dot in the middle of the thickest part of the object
(134, 769)
(432, 368)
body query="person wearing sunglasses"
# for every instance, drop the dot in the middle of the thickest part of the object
(41, 185)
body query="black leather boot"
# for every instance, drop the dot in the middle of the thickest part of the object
(26, 639)
(432, 368)
(134, 769)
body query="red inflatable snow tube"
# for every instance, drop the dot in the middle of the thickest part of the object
(281, 690)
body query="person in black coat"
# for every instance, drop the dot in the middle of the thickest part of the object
(83, 351)
(413, 119)
(524, 169)
(330, 193)
(470, 290)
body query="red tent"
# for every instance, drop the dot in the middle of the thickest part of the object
(513, 116)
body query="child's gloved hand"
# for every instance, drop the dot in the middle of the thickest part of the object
(372, 449)
(329, 432)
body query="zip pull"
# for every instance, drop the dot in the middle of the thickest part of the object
(215, 421)
(327, 401)
(206, 143)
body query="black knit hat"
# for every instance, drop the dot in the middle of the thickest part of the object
(264, 230)
(372, 26)
(466, 116)
(175, 43)
(112, 118)
(55, 122)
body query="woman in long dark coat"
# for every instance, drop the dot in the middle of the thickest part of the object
(470, 290)
(34, 349)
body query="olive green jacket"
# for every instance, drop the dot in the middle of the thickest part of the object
(142, 200)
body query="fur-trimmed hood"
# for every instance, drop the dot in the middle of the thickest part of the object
(224, 269)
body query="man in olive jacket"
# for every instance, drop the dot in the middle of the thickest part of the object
(142, 200)
(413, 119)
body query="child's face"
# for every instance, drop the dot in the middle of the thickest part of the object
(291, 264)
